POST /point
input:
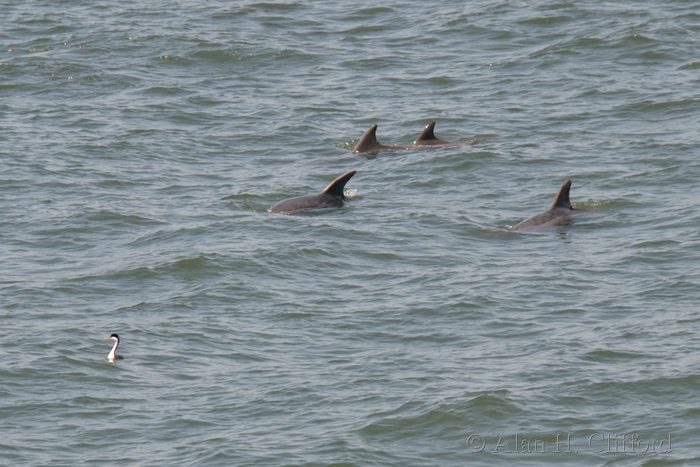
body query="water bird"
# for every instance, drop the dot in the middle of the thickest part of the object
(113, 354)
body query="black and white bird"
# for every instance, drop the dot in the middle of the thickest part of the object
(113, 354)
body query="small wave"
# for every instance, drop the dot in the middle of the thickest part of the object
(690, 66)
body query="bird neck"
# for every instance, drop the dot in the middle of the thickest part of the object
(113, 354)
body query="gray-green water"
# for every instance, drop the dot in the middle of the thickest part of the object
(141, 144)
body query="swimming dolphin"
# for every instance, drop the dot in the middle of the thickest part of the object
(560, 211)
(369, 145)
(427, 138)
(332, 196)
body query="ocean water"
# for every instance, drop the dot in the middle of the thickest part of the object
(141, 145)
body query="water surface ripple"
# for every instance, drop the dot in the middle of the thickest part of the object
(142, 143)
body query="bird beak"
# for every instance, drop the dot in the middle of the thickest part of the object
(106, 338)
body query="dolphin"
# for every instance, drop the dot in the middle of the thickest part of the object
(369, 145)
(427, 138)
(332, 196)
(559, 212)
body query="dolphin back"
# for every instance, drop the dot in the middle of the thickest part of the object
(560, 211)
(331, 196)
(293, 205)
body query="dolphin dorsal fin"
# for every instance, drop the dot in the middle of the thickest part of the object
(337, 186)
(562, 198)
(428, 133)
(428, 138)
(368, 142)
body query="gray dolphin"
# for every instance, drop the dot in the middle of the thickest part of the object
(427, 138)
(332, 196)
(560, 211)
(369, 145)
